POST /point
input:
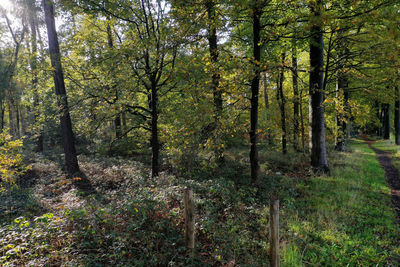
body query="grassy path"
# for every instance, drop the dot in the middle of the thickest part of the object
(347, 218)
(391, 173)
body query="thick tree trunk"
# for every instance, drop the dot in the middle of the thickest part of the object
(386, 122)
(217, 93)
(319, 160)
(281, 101)
(296, 98)
(71, 161)
(397, 116)
(255, 86)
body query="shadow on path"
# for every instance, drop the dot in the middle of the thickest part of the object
(391, 172)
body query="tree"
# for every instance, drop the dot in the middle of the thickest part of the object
(397, 116)
(10, 73)
(296, 98)
(71, 161)
(255, 88)
(281, 101)
(34, 69)
(213, 47)
(319, 160)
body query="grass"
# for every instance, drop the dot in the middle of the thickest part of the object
(344, 219)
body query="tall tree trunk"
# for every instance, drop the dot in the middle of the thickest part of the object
(11, 102)
(22, 120)
(397, 116)
(266, 102)
(2, 114)
(217, 93)
(10, 74)
(71, 161)
(155, 146)
(11, 121)
(281, 101)
(117, 119)
(377, 128)
(386, 122)
(342, 85)
(255, 86)
(123, 115)
(348, 117)
(296, 98)
(33, 63)
(303, 134)
(381, 119)
(319, 160)
(266, 98)
(18, 120)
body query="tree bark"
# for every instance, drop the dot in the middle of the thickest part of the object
(255, 86)
(266, 102)
(71, 161)
(381, 119)
(377, 128)
(117, 119)
(386, 122)
(296, 98)
(303, 134)
(155, 146)
(281, 102)
(123, 115)
(397, 116)
(10, 75)
(2, 114)
(341, 118)
(18, 120)
(217, 93)
(319, 160)
(33, 63)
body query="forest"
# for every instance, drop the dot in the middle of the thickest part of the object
(199, 133)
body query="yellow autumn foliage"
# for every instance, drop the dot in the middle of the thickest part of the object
(11, 160)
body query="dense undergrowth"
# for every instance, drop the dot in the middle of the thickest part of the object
(345, 219)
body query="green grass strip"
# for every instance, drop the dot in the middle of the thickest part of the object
(345, 219)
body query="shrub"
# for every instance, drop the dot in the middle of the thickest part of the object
(11, 160)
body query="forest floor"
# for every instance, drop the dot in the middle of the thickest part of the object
(130, 219)
(391, 172)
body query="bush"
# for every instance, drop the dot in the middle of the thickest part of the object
(11, 160)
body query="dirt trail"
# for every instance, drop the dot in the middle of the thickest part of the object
(392, 173)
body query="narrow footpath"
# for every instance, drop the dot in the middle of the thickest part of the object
(391, 173)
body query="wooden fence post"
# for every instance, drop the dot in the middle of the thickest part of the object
(189, 218)
(274, 231)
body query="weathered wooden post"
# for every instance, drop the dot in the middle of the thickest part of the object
(189, 218)
(274, 231)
